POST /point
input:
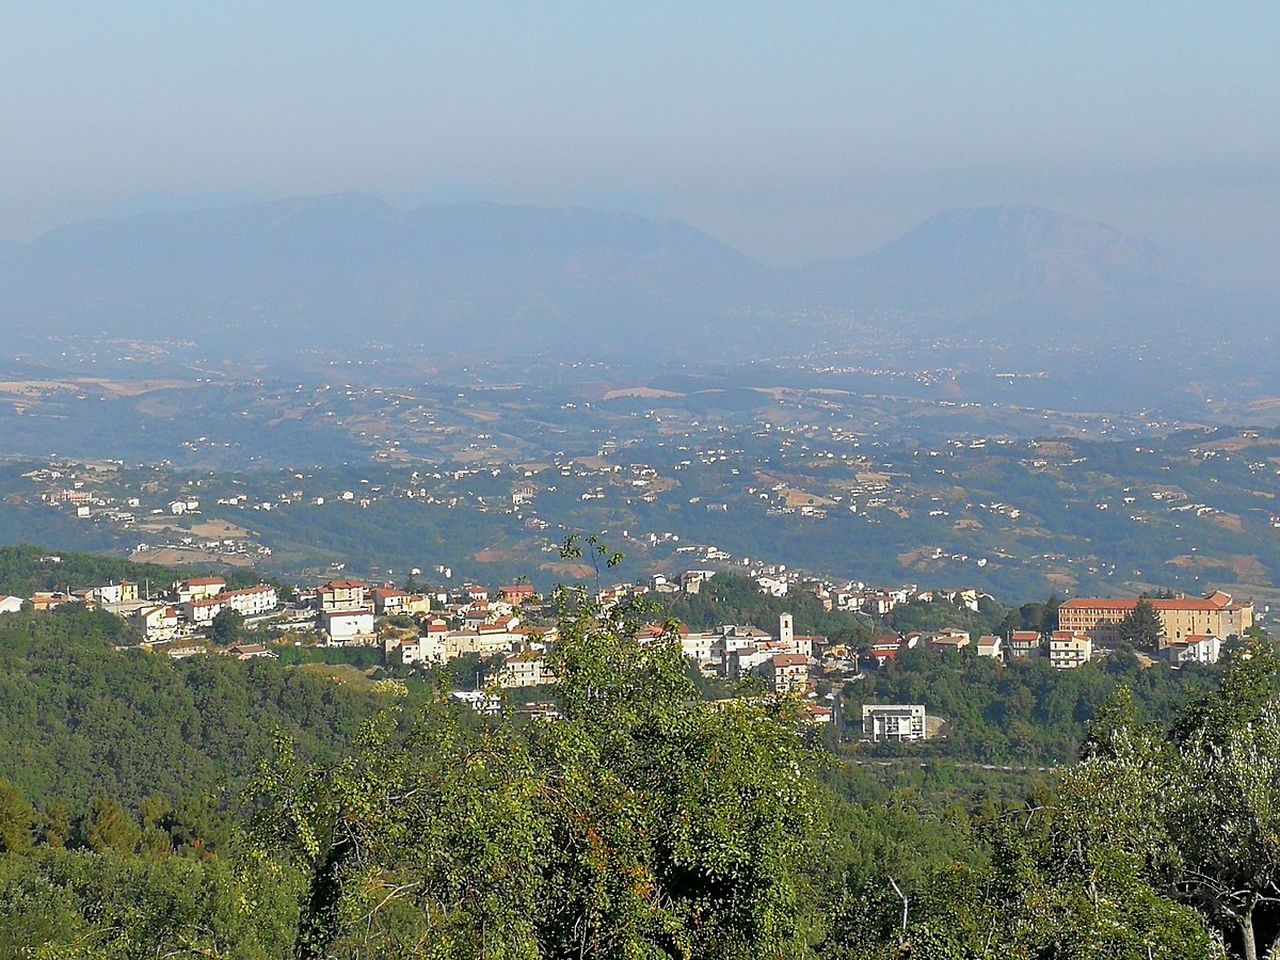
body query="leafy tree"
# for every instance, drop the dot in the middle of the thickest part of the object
(1222, 803)
(108, 826)
(1198, 816)
(1141, 626)
(78, 905)
(227, 627)
(55, 824)
(1049, 621)
(646, 823)
(17, 819)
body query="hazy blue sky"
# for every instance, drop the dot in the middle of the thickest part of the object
(792, 130)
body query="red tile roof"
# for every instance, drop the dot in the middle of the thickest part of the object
(789, 660)
(1214, 602)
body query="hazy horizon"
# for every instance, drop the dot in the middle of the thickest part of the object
(790, 136)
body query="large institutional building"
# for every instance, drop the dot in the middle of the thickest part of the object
(1213, 616)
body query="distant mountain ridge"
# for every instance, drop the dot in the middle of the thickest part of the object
(987, 259)
(463, 276)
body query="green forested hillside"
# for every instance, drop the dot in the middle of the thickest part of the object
(147, 809)
(1025, 712)
(79, 719)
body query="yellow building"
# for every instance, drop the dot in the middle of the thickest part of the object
(1215, 615)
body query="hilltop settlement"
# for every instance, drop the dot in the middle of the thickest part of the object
(509, 632)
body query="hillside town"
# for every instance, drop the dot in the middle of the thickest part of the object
(511, 631)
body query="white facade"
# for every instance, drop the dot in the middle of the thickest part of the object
(744, 661)
(523, 670)
(424, 649)
(251, 601)
(698, 647)
(200, 588)
(344, 626)
(893, 722)
(1067, 651)
(159, 622)
(991, 646)
(202, 612)
(1194, 650)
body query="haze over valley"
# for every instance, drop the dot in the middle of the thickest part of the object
(699, 482)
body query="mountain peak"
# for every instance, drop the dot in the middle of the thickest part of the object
(1008, 261)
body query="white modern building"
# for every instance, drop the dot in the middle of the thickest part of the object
(893, 722)
(347, 626)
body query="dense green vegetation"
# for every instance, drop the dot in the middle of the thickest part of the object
(1023, 713)
(79, 719)
(728, 598)
(210, 808)
(647, 824)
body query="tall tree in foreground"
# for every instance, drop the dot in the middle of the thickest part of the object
(1198, 814)
(1222, 803)
(647, 823)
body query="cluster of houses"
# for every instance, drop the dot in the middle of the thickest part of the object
(179, 612)
(422, 629)
(784, 661)
(1065, 649)
(474, 620)
(851, 596)
(492, 626)
(1192, 630)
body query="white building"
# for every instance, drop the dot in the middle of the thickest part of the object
(201, 612)
(523, 670)
(730, 638)
(1194, 649)
(10, 604)
(347, 626)
(426, 648)
(199, 588)
(745, 660)
(252, 601)
(773, 586)
(698, 647)
(991, 646)
(1069, 649)
(893, 722)
(487, 704)
(158, 622)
